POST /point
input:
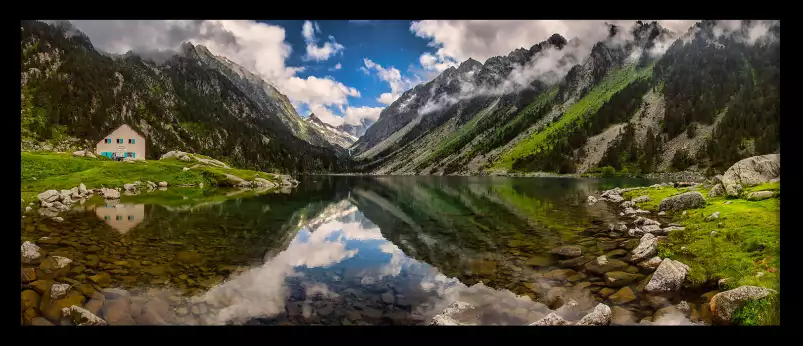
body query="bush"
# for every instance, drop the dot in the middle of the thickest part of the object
(607, 171)
(691, 130)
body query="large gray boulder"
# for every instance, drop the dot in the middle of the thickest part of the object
(29, 252)
(724, 304)
(683, 201)
(552, 319)
(49, 196)
(601, 316)
(668, 277)
(751, 171)
(759, 195)
(82, 317)
(447, 316)
(110, 193)
(640, 199)
(647, 247)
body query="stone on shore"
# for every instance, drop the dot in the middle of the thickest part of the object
(82, 317)
(716, 191)
(623, 296)
(641, 199)
(601, 316)
(49, 196)
(759, 195)
(602, 265)
(650, 264)
(550, 320)
(751, 171)
(687, 200)
(724, 304)
(162, 184)
(568, 251)
(668, 277)
(110, 193)
(30, 252)
(647, 247)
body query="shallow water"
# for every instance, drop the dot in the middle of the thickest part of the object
(339, 250)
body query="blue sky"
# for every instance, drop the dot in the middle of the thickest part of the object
(390, 44)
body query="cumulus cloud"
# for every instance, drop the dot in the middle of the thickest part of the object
(398, 83)
(315, 52)
(459, 40)
(356, 115)
(336, 67)
(259, 47)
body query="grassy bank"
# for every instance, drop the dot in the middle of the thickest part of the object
(41, 171)
(744, 248)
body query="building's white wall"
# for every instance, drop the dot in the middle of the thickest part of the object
(125, 132)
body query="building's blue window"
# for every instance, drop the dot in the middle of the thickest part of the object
(131, 141)
(108, 140)
(119, 217)
(107, 154)
(107, 217)
(119, 141)
(134, 155)
(130, 217)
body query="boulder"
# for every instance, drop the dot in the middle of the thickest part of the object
(447, 316)
(751, 171)
(641, 199)
(162, 184)
(82, 317)
(687, 200)
(623, 296)
(724, 304)
(652, 229)
(619, 278)
(666, 230)
(591, 200)
(647, 247)
(759, 195)
(79, 153)
(713, 216)
(52, 308)
(668, 277)
(110, 193)
(568, 251)
(550, 320)
(643, 221)
(49, 196)
(716, 191)
(615, 198)
(650, 264)
(130, 187)
(27, 275)
(30, 252)
(628, 204)
(602, 265)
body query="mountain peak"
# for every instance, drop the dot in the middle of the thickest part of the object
(469, 65)
(557, 40)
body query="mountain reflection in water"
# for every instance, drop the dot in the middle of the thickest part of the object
(340, 250)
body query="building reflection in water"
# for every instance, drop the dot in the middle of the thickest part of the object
(122, 217)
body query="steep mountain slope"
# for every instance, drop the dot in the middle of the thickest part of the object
(332, 134)
(624, 104)
(193, 101)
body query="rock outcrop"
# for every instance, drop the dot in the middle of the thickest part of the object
(668, 277)
(687, 200)
(751, 171)
(724, 304)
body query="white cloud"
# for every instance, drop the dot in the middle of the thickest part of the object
(315, 52)
(337, 67)
(259, 47)
(458, 40)
(355, 115)
(398, 83)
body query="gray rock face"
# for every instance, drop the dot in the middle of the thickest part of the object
(446, 317)
(641, 199)
(724, 304)
(651, 264)
(551, 320)
(751, 171)
(110, 193)
(716, 191)
(628, 204)
(82, 317)
(647, 247)
(601, 316)
(49, 196)
(759, 195)
(668, 277)
(30, 252)
(688, 200)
